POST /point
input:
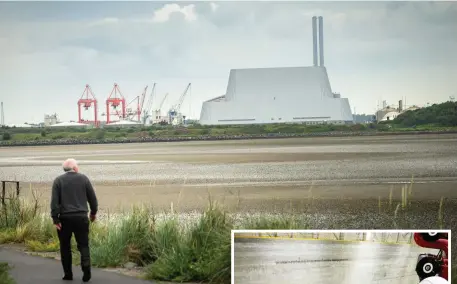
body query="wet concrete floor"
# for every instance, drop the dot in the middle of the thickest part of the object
(327, 262)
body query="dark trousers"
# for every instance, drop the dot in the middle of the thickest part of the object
(80, 227)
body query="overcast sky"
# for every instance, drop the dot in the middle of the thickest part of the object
(373, 50)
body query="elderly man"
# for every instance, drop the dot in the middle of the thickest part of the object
(71, 192)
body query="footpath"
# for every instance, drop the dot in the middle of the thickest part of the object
(28, 269)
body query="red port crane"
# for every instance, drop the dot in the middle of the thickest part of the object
(115, 100)
(87, 101)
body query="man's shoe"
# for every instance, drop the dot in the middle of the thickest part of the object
(87, 275)
(67, 277)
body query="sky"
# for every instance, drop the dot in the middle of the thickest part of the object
(374, 51)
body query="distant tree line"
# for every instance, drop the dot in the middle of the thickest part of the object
(364, 118)
(444, 114)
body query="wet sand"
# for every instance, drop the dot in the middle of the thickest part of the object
(250, 175)
(333, 168)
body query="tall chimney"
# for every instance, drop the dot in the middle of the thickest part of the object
(321, 42)
(315, 41)
(2, 122)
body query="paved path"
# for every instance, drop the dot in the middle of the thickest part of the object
(29, 269)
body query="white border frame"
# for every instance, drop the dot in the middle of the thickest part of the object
(232, 240)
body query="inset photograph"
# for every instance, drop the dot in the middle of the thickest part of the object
(340, 257)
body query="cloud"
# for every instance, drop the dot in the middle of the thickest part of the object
(168, 10)
(214, 6)
(52, 56)
(104, 21)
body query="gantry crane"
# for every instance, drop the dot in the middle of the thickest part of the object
(87, 101)
(115, 100)
(174, 115)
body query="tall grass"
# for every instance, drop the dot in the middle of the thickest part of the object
(169, 249)
(121, 241)
(5, 278)
(15, 213)
(202, 251)
(454, 274)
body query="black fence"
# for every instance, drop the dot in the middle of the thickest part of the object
(3, 196)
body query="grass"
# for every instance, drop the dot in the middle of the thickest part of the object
(168, 248)
(113, 134)
(5, 278)
(453, 274)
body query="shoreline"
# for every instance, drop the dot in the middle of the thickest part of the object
(22, 143)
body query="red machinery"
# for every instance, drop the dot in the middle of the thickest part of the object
(88, 100)
(429, 265)
(115, 100)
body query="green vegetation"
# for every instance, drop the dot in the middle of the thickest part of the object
(166, 246)
(5, 278)
(30, 134)
(434, 116)
(168, 249)
(158, 131)
(6, 136)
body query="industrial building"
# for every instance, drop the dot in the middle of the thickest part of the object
(50, 119)
(69, 124)
(280, 95)
(124, 123)
(390, 112)
(2, 115)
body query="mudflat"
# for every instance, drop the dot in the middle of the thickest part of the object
(320, 175)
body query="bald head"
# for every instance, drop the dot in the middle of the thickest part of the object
(70, 165)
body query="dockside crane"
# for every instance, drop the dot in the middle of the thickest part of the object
(158, 112)
(174, 114)
(87, 101)
(115, 100)
(147, 110)
(139, 100)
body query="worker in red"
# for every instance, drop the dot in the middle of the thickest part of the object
(431, 265)
(71, 192)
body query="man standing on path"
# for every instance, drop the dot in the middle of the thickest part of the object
(71, 192)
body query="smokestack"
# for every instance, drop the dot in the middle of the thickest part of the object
(315, 41)
(400, 105)
(2, 122)
(321, 42)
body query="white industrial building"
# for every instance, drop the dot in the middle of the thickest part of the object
(50, 119)
(70, 124)
(275, 95)
(124, 123)
(390, 112)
